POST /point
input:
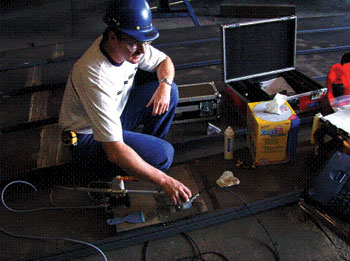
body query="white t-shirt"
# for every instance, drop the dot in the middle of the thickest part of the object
(97, 91)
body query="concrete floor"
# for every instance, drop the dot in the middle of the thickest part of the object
(296, 238)
(295, 235)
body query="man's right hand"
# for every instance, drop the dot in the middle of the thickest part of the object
(177, 191)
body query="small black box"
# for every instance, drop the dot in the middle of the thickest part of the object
(197, 102)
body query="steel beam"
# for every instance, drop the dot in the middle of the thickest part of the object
(162, 230)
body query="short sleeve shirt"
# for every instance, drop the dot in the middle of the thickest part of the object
(97, 91)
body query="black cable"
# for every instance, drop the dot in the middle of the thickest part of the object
(206, 188)
(2, 230)
(275, 252)
(188, 238)
(195, 247)
(198, 255)
(40, 209)
(213, 253)
(144, 251)
(36, 209)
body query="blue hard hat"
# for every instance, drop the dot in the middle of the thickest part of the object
(132, 17)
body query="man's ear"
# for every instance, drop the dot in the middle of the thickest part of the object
(112, 37)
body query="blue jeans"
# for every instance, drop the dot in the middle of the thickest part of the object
(149, 144)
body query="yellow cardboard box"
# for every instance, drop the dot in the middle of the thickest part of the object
(268, 135)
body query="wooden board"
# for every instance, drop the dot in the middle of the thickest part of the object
(44, 54)
(31, 149)
(158, 208)
(26, 78)
(29, 108)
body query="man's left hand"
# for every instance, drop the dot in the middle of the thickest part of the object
(160, 99)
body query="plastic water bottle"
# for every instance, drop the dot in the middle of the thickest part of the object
(228, 150)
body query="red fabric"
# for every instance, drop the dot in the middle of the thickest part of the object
(338, 74)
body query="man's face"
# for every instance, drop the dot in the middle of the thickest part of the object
(132, 49)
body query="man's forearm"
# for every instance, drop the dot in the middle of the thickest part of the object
(161, 98)
(166, 69)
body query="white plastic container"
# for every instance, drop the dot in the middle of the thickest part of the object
(315, 125)
(228, 143)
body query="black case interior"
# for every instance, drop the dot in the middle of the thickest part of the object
(262, 50)
(259, 48)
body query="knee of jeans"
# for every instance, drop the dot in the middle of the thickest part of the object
(167, 156)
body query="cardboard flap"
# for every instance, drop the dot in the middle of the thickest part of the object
(258, 48)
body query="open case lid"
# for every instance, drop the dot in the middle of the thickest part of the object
(258, 48)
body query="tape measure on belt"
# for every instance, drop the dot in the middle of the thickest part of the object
(69, 138)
